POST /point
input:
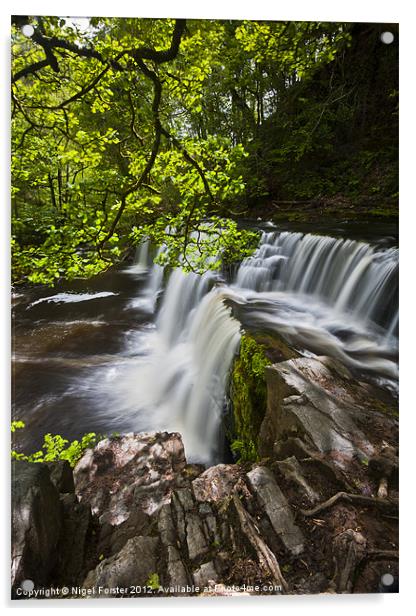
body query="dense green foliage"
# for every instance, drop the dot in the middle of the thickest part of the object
(55, 447)
(248, 397)
(132, 128)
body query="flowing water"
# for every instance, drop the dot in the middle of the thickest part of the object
(138, 349)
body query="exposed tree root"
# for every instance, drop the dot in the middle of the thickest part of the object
(359, 499)
(349, 551)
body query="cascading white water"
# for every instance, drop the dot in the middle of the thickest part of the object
(180, 383)
(142, 264)
(324, 295)
(349, 276)
(142, 259)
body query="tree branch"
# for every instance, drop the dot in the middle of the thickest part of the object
(142, 53)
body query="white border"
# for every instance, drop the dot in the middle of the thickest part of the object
(323, 10)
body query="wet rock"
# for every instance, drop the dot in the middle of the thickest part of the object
(275, 347)
(217, 482)
(275, 505)
(36, 522)
(132, 566)
(61, 476)
(72, 546)
(311, 398)
(133, 471)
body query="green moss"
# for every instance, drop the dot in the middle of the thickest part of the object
(248, 397)
(387, 409)
(275, 348)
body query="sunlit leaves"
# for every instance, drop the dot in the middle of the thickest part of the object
(82, 137)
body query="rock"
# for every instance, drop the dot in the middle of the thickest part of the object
(177, 574)
(133, 471)
(132, 566)
(113, 538)
(217, 482)
(61, 476)
(265, 557)
(205, 576)
(36, 523)
(312, 398)
(195, 537)
(72, 546)
(386, 464)
(166, 527)
(189, 531)
(291, 469)
(275, 505)
(313, 584)
(275, 347)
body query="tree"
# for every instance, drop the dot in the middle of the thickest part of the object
(159, 128)
(98, 159)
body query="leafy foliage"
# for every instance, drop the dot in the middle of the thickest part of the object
(153, 582)
(136, 127)
(55, 447)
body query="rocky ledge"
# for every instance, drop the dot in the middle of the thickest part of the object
(317, 513)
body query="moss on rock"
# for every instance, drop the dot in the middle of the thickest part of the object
(249, 397)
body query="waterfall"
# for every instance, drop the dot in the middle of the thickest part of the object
(142, 264)
(349, 276)
(180, 384)
(325, 296)
(142, 259)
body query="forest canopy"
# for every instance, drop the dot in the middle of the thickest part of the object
(170, 129)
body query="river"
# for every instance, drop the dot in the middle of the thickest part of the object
(136, 349)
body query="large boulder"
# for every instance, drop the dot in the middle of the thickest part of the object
(36, 523)
(133, 566)
(133, 471)
(317, 400)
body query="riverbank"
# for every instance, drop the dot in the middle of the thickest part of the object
(337, 209)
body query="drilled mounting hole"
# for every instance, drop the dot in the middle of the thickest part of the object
(387, 37)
